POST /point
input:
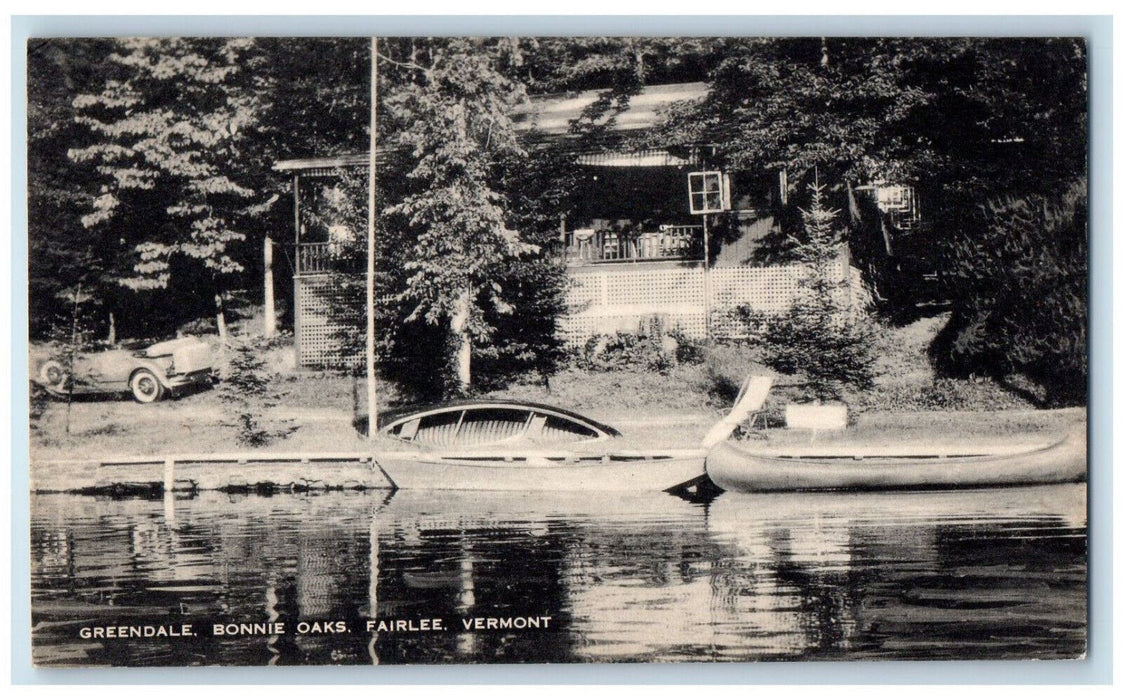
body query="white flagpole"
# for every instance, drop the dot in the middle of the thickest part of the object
(372, 385)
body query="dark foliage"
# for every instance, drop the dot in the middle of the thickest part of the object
(279, 106)
(963, 120)
(1017, 275)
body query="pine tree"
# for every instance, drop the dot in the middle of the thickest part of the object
(821, 336)
(248, 390)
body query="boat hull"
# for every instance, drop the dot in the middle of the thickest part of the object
(735, 469)
(610, 472)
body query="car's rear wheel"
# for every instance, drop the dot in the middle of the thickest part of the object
(146, 388)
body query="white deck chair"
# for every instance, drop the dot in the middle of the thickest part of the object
(751, 398)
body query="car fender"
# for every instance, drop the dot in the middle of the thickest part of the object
(154, 367)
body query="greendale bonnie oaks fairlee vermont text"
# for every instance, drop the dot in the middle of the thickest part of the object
(316, 627)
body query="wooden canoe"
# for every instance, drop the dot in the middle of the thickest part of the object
(735, 468)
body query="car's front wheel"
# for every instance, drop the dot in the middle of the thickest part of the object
(146, 388)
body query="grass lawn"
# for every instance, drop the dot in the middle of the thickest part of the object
(651, 410)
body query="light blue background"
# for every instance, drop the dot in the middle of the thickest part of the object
(1096, 668)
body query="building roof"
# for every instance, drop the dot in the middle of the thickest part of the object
(348, 160)
(551, 115)
(546, 117)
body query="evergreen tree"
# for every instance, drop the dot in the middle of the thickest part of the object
(248, 391)
(821, 337)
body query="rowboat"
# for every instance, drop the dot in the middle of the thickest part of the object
(736, 468)
(601, 468)
(487, 446)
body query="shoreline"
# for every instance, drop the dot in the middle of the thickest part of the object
(281, 467)
(330, 431)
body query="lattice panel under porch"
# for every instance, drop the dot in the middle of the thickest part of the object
(654, 288)
(586, 290)
(608, 300)
(319, 335)
(767, 289)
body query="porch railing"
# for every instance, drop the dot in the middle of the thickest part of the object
(665, 243)
(312, 258)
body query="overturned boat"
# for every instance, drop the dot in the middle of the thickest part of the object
(737, 468)
(575, 469)
(495, 445)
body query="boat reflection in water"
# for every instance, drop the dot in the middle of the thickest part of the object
(994, 574)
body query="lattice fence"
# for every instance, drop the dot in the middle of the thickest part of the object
(323, 324)
(607, 300)
(602, 300)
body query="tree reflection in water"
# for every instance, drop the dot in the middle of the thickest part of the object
(983, 574)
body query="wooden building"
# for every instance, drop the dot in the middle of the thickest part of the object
(634, 249)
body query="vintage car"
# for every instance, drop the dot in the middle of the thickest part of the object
(149, 373)
(490, 422)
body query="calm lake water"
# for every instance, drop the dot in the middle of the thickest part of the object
(970, 574)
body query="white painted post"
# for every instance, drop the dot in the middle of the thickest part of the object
(372, 389)
(706, 275)
(270, 317)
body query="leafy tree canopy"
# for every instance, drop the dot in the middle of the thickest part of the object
(175, 127)
(975, 115)
(450, 104)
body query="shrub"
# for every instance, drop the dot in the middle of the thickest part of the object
(1016, 276)
(39, 401)
(624, 351)
(688, 350)
(248, 391)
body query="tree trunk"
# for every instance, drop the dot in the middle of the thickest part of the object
(72, 358)
(220, 319)
(220, 324)
(269, 322)
(111, 337)
(463, 355)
